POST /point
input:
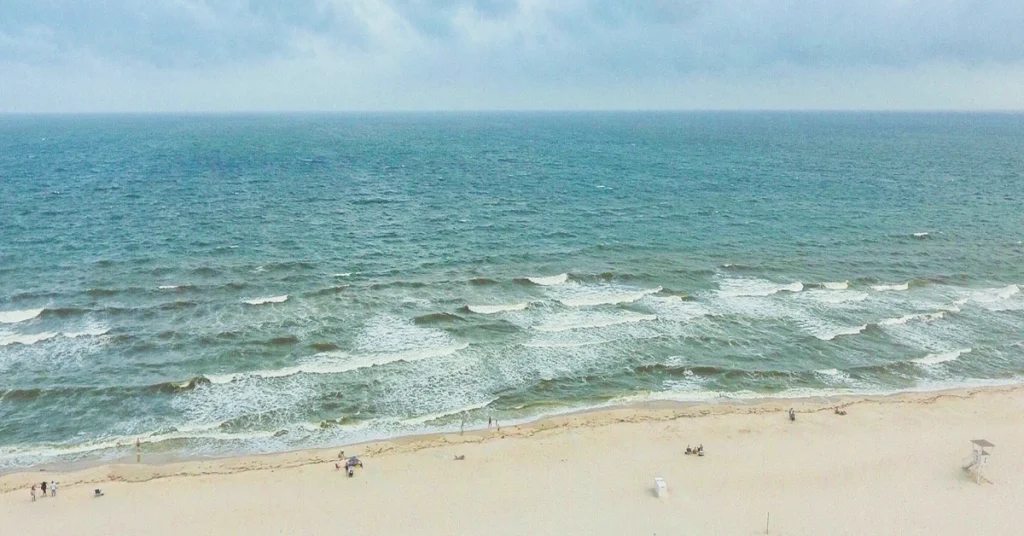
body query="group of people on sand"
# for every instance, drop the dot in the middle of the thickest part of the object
(43, 487)
(698, 450)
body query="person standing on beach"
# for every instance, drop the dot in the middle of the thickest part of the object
(43, 486)
(33, 493)
(53, 489)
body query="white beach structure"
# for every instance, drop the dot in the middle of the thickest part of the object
(660, 489)
(976, 462)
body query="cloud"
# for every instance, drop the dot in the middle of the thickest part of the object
(363, 50)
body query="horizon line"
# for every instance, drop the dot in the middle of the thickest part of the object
(517, 111)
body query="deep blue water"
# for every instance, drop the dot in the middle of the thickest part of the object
(218, 284)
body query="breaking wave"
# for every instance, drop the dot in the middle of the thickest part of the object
(274, 299)
(594, 299)
(550, 280)
(755, 287)
(12, 317)
(492, 309)
(884, 288)
(935, 359)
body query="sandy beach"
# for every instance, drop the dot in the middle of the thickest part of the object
(892, 465)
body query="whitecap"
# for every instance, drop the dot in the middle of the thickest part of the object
(590, 298)
(274, 299)
(550, 280)
(492, 309)
(95, 332)
(168, 287)
(9, 339)
(840, 285)
(574, 323)
(346, 274)
(995, 294)
(907, 318)
(430, 417)
(340, 363)
(884, 288)
(920, 235)
(841, 331)
(12, 317)
(736, 288)
(935, 359)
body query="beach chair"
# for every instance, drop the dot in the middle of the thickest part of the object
(660, 489)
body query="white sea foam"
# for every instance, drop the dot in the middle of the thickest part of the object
(840, 285)
(935, 359)
(168, 287)
(346, 274)
(594, 297)
(95, 332)
(574, 322)
(26, 339)
(829, 372)
(991, 295)
(563, 344)
(885, 288)
(550, 280)
(755, 287)
(492, 309)
(12, 317)
(338, 363)
(841, 331)
(430, 417)
(836, 296)
(920, 235)
(907, 318)
(274, 299)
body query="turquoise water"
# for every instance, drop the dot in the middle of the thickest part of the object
(235, 284)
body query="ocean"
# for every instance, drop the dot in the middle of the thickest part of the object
(232, 284)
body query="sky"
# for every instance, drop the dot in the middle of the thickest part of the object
(367, 55)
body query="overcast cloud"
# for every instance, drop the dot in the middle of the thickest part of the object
(236, 55)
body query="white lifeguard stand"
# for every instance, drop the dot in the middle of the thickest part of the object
(976, 462)
(660, 489)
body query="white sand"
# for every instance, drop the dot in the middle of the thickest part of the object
(892, 466)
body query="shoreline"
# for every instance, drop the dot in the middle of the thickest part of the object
(657, 410)
(890, 465)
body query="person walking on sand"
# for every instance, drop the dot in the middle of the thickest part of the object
(53, 489)
(33, 493)
(43, 486)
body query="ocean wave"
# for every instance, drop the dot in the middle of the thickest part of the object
(836, 296)
(994, 294)
(907, 318)
(563, 344)
(574, 323)
(735, 288)
(492, 309)
(345, 274)
(26, 339)
(95, 332)
(935, 359)
(436, 318)
(431, 417)
(839, 285)
(549, 281)
(169, 287)
(885, 288)
(12, 317)
(591, 298)
(482, 281)
(920, 235)
(341, 363)
(274, 299)
(841, 332)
